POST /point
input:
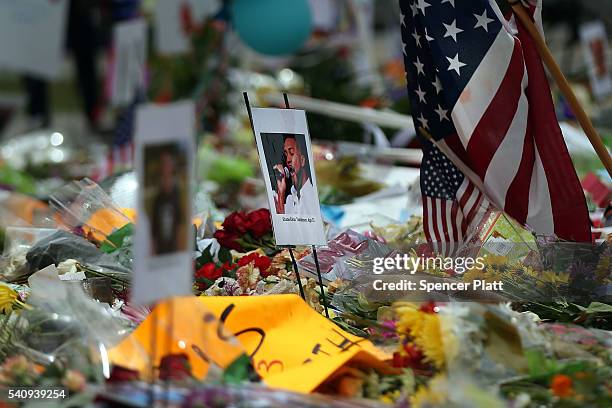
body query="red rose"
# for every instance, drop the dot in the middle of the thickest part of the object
(263, 264)
(228, 239)
(122, 374)
(236, 223)
(209, 271)
(258, 222)
(247, 259)
(174, 367)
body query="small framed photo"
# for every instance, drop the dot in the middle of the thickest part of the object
(285, 155)
(164, 147)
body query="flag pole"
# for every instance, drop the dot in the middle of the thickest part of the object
(564, 86)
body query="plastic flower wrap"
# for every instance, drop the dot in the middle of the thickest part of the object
(402, 235)
(346, 257)
(85, 209)
(61, 339)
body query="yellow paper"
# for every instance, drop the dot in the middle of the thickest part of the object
(291, 346)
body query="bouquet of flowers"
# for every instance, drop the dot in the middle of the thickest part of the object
(253, 273)
(244, 232)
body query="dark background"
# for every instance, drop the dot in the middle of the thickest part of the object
(273, 152)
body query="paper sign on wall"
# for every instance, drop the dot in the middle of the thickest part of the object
(32, 36)
(597, 56)
(128, 61)
(172, 18)
(287, 165)
(291, 346)
(164, 143)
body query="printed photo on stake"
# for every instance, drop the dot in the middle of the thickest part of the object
(164, 145)
(287, 166)
(289, 170)
(165, 197)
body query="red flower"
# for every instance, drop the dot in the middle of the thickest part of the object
(429, 307)
(236, 222)
(174, 367)
(122, 374)
(186, 19)
(261, 262)
(209, 271)
(247, 259)
(258, 222)
(228, 239)
(561, 386)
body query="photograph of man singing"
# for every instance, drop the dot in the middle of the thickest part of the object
(294, 192)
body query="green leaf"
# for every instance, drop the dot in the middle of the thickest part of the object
(239, 371)
(598, 307)
(115, 240)
(205, 258)
(537, 363)
(224, 255)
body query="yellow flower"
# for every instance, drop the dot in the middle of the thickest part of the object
(424, 328)
(474, 274)
(8, 298)
(495, 260)
(390, 397)
(552, 277)
(432, 395)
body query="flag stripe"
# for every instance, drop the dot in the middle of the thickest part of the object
(506, 159)
(495, 123)
(540, 216)
(482, 87)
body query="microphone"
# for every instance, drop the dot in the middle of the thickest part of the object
(285, 173)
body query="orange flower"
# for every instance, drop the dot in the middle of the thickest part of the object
(561, 386)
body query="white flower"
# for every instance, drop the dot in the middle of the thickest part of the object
(68, 266)
(214, 247)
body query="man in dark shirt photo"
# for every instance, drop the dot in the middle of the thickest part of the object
(167, 217)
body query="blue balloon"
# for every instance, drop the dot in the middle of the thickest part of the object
(272, 27)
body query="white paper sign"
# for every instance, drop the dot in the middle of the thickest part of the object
(32, 36)
(128, 62)
(324, 14)
(285, 155)
(597, 57)
(171, 37)
(164, 144)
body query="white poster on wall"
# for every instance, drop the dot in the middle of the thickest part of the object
(128, 61)
(597, 57)
(32, 36)
(175, 18)
(287, 165)
(164, 149)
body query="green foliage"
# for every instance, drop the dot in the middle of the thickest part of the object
(116, 239)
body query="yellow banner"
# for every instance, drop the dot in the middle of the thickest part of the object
(291, 346)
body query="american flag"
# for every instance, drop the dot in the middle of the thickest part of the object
(477, 85)
(121, 154)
